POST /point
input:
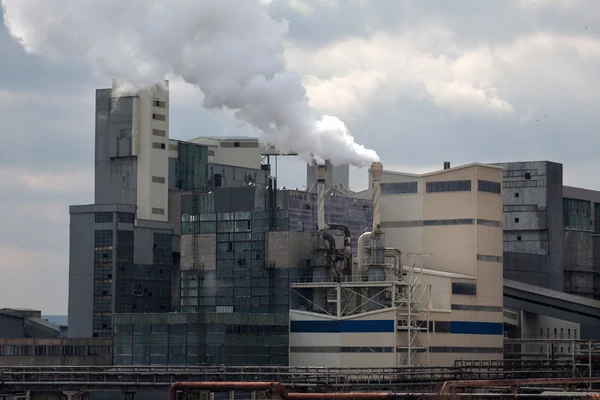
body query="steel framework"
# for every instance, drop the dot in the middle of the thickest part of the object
(298, 378)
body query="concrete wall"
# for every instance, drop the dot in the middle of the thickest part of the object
(115, 168)
(286, 249)
(533, 227)
(205, 251)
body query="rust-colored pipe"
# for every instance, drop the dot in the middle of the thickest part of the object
(221, 386)
(275, 387)
(327, 396)
(448, 385)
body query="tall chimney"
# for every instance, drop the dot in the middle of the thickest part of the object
(321, 172)
(376, 172)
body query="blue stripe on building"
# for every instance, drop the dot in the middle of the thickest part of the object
(387, 326)
(353, 326)
(476, 328)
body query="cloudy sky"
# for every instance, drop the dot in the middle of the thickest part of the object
(419, 81)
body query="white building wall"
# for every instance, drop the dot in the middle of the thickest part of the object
(152, 152)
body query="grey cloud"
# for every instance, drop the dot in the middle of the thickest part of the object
(558, 86)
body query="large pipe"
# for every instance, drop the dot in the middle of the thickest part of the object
(397, 256)
(376, 172)
(448, 385)
(361, 253)
(277, 389)
(321, 172)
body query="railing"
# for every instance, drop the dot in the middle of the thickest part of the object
(319, 378)
(345, 279)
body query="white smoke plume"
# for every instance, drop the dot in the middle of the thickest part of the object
(232, 50)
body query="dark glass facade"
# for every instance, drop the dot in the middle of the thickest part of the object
(192, 339)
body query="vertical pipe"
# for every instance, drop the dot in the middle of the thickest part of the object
(376, 171)
(321, 172)
(360, 255)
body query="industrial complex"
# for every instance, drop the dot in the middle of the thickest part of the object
(193, 258)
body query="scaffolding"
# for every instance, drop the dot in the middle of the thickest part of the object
(413, 314)
(354, 295)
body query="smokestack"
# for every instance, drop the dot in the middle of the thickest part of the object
(376, 171)
(321, 172)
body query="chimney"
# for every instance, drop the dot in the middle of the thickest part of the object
(376, 172)
(446, 164)
(321, 172)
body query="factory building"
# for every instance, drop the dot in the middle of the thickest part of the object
(551, 240)
(429, 290)
(122, 252)
(550, 229)
(192, 254)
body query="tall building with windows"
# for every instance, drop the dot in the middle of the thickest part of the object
(123, 254)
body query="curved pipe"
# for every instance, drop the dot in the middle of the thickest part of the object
(361, 252)
(329, 238)
(396, 254)
(347, 234)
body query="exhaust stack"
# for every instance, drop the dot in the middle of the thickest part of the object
(376, 172)
(321, 172)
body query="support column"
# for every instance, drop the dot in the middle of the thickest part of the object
(129, 395)
(73, 394)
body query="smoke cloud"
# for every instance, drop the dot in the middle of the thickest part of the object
(232, 50)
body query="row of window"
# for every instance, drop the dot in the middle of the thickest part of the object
(556, 332)
(448, 186)
(53, 350)
(107, 217)
(440, 186)
(464, 288)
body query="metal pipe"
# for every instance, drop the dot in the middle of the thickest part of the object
(221, 386)
(361, 253)
(376, 172)
(347, 234)
(448, 385)
(321, 172)
(277, 389)
(397, 255)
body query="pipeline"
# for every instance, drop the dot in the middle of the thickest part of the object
(279, 391)
(376, 172)
(361, 253)
(276, 388)
(321, 172)
(448, 385)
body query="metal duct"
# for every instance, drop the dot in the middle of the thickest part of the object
(376, 172)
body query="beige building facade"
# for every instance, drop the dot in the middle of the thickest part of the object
(449, 224)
